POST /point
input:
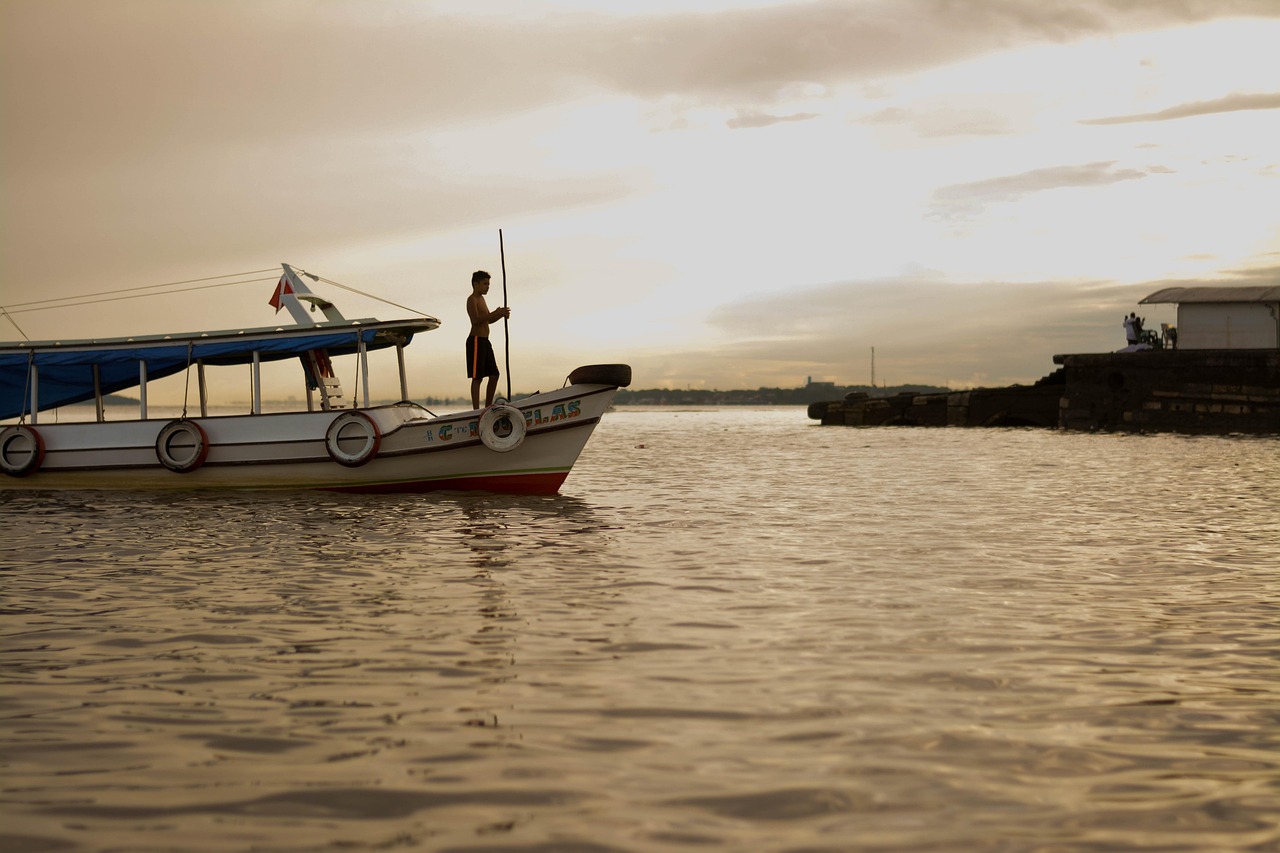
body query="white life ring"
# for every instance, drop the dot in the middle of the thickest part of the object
(21, 450)
(353, 439)
(182, 446)
(502, 427)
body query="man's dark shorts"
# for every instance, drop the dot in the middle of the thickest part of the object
(480, 360)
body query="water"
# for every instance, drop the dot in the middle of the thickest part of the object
(734, 630)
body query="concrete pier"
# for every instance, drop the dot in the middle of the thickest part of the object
(1017, 405)
(1190, 391)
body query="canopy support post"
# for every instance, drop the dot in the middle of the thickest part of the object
(204, 389)
(255, 379)
(97, 394)
(364, 370)
(35, 393)
(404, 380)
(142, 389)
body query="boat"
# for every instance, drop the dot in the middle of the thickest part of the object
(525, 446)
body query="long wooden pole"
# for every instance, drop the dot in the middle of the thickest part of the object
(506, 329)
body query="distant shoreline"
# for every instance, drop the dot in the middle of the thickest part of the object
(814, 392)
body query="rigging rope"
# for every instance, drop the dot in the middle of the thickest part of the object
(69, 304)
(5, 312)
(362, 293)
(144, 287)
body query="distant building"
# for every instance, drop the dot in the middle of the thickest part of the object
(1224, 317)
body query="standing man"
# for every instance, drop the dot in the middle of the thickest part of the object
(480, 360)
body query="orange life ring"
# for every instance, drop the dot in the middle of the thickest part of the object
(182, 446)
(21, 450)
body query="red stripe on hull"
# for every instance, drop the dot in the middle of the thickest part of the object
(510, 484)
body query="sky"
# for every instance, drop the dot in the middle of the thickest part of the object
(721, 194)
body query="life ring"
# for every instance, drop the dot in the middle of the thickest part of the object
(21, 450)
(352, 430)
(182, 446)
(502, 427)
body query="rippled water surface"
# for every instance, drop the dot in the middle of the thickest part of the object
(734, 630)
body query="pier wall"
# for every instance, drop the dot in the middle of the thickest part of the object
(1190, 391)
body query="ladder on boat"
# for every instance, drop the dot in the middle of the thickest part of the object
(320, 376)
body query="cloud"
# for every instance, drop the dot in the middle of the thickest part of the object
(95, 81)
(1007, 332)
(148, 131)
(1004, 332)
(1229, 104)
(133, 77)
(943, 122)
(960, 200)
(146, 128)
(108, 82)
(755, 119)
(276, 203)
(750, 55)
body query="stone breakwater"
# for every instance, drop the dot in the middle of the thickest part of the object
(1213, 392)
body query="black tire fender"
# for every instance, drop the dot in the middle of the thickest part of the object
(502, 428)
(352, 430)
(182, 446)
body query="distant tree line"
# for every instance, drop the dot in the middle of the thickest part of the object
(814, 392)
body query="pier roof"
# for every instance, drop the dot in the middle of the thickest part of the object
(1256, 293)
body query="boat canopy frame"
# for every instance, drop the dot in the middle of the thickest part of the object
(38, 376)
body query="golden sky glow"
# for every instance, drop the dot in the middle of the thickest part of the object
(723, 194)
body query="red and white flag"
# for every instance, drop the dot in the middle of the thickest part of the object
(281, 289)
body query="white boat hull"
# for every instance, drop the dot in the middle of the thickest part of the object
(414, 451)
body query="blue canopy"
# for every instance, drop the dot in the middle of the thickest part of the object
(65, 370)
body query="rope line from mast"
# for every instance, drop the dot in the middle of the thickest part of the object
(142, 287)
(81, 301)
(315, 277)
(5, 313)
